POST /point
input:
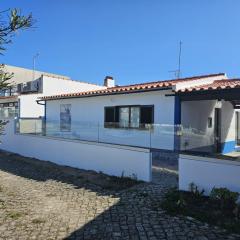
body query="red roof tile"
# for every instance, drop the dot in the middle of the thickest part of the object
(130, 88)
(216, 85)
(8, 97)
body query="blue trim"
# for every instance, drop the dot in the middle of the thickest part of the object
(45, 111)
(177, 110)
(177, 121)
(228, 147)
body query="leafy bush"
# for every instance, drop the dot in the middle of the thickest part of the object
(220, 208)
(226, 198)
(194, 189)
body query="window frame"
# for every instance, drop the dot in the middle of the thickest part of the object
(116, 108)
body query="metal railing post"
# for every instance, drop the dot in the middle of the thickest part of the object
(98, 131)
(150, 138)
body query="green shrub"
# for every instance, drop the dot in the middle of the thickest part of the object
(194, 189)
(174, 201)
(226, 198)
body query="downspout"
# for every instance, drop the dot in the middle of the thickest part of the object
(44, 119)
(43, 104)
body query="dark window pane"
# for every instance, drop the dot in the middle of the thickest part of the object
(109, 114)
(147, 114)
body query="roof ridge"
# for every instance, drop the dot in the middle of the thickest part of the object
(215, 85)
(173, 80)
(129, 88)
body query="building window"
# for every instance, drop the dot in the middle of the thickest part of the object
(124, 117)
(65, 117)
(134, 117)
(129, 116)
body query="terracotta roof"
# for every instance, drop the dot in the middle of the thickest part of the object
(216, 85)
(8, 97)
(149, 86)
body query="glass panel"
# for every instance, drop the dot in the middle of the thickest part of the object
(65, 117)
(124, 117)
(135, 117)
(238, 129)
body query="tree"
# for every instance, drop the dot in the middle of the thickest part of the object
(11, 21)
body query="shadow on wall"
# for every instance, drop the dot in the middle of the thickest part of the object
(228, 129)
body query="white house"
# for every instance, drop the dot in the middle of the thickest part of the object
(149, 114)
(88, 128)
(28, 85)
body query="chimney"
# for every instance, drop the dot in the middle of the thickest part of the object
(109, 82)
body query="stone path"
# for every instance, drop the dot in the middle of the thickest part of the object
(40, 200)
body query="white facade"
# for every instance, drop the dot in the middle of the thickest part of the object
(23, 75)
(50, 86)
(91, 110)
(195, 115)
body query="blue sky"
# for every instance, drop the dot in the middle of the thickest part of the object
(132, 40)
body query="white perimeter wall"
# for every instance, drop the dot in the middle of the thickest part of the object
(51, 86)
(91, 109)
(110, 159)
(207, 173)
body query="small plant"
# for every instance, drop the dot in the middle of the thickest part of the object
(181, 202)
(14, 215)
(220, 209)
(2, 204)
(194, 189)
(225, 197)
(173, 201)
(51, 195)
(38, 221)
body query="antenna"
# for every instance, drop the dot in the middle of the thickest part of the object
(34, 63)
(179, 60)
(177, 73)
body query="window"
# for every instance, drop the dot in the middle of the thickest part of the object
(124, 116)
(128, 116)
(135, 117)
(65, 117)
(147, 116)
(109, 116)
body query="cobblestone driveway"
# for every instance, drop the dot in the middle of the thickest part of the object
(40, 200)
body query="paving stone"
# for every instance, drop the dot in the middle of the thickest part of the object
(43, 203)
